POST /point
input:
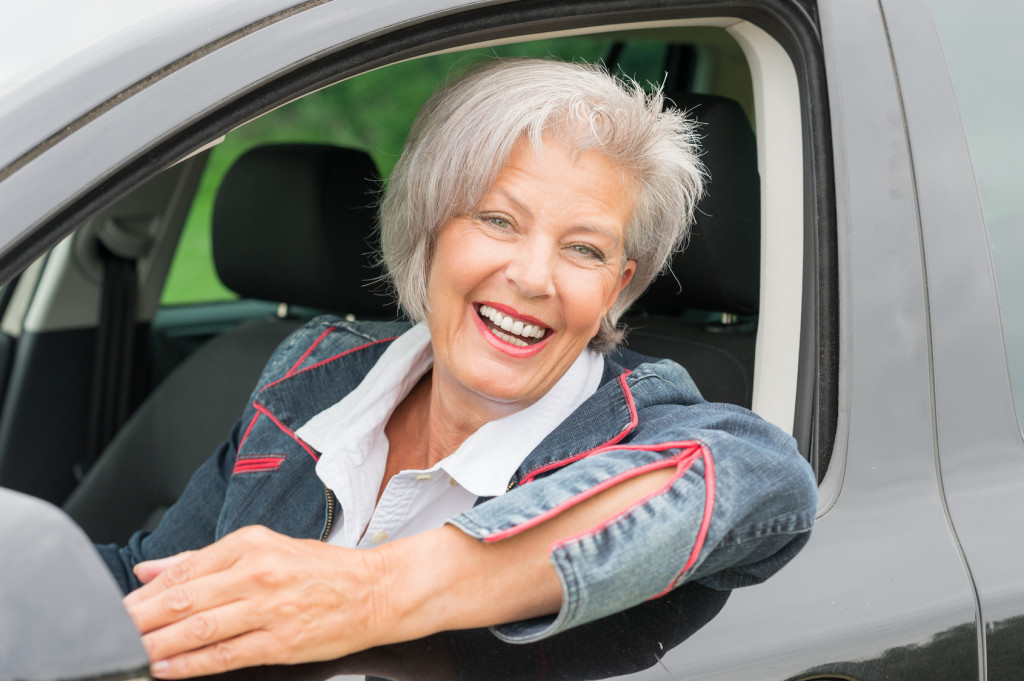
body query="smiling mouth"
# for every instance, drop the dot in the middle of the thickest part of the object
(510, 329)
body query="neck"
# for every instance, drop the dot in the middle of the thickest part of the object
(434, 420)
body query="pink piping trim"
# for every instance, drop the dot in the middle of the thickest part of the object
(255, 418)
(705, 523)
(265, 463)
(292, 372)
(288, 431)
(342, 354)
(633, 420)
(308, 350)
(683, 461)
(685, 456)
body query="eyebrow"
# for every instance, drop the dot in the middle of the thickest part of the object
(519, 205)
(607, 233)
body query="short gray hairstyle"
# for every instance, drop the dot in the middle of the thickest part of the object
(464, 135)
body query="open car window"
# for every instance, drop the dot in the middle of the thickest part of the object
(185, 304)
(373, 111)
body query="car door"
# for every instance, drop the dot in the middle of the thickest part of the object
(960, 70)
(845, 336)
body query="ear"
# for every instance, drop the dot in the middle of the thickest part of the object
(626, 276)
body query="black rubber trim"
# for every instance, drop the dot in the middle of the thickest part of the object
(792, 22)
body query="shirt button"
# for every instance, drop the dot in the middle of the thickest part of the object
(453, 482)
(379, 537)
(422, 477)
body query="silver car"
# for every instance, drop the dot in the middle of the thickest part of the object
(854, 277)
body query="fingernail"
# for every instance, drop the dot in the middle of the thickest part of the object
(161, 666)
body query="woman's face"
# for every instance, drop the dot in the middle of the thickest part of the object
(518, 287)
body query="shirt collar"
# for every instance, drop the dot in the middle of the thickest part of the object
(488, 458)
(345, 432)
(387, 383)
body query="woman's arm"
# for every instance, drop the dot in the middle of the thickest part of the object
(738, 504)
(257, 597)
(699, 492)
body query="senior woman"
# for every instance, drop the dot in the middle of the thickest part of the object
(491, 465)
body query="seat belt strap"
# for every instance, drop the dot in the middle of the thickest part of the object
(115, 353)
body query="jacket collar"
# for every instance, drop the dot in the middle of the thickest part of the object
(326, 375)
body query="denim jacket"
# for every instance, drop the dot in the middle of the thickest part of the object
(739, 505)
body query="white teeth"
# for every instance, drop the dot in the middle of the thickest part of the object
(508, 323)
(518, 342)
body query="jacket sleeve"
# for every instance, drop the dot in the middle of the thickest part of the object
(739, 505)
(189, 524)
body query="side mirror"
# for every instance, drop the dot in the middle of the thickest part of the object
(60, 610)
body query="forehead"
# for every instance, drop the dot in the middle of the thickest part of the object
(550, 171)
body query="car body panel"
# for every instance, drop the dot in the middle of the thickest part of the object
(981, 451)
(45, 105)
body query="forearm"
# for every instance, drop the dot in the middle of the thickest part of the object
(602, 538)
(444, 579)
(733, 511)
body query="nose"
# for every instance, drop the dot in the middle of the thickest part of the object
(531, 268)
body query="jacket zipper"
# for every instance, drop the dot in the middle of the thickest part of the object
(330, 513)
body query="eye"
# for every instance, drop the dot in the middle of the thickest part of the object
(501, 222)
(587, 251)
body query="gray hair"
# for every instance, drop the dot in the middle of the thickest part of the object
(464, 135)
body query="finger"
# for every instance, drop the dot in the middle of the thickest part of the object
(203, 629)
(257, 647)
(177, 602)
(147, 570)
(212, 559)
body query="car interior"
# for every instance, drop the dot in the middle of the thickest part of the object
(111, 398)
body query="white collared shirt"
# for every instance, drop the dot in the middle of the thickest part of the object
(354, 448)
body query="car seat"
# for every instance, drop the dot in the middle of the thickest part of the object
(291, 224)
(704, 313)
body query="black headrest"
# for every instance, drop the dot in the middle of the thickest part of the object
(292, 223)
(720, 269)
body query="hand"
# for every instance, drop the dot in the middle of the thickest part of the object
(255, 597)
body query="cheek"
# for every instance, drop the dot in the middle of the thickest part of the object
(462, 261)
(586, 302)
